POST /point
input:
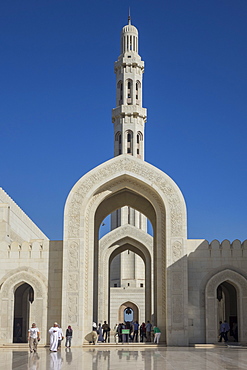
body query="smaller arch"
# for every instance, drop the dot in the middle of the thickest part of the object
(131, 305)
(9, 285)
(240, 284)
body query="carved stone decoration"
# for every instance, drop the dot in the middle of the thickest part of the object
(72, 308)
(125, 164)
(240, 284)
(176, 250)
(73, 280)
(177, 281)
(73, 254)
(177, 309)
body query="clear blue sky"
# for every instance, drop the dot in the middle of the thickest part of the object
(58, 89)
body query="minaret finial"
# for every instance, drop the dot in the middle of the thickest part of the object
(129, 17)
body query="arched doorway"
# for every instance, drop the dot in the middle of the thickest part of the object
(128, 311)
(225, 295)
(23, 298)
(227, 309)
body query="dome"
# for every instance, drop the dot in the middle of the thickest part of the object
(129, 28)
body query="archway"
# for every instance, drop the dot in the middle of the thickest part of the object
(23, 298)
(19, 288)
(126, 181)
(142, 296)
(233, 286)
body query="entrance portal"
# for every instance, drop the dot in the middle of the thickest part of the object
(24, 296)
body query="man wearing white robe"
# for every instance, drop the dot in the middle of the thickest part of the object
(54, 333)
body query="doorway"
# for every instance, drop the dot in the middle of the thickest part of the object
(23, 298)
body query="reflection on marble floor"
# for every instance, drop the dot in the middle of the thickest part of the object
(174, 358)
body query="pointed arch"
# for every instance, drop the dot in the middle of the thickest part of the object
(9, 283)
(240, 284)
(126, 181)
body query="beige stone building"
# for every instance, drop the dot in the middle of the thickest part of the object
(184, 286)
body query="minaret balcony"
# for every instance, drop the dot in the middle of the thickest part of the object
(130, 110)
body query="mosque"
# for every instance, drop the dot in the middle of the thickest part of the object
(184, 286)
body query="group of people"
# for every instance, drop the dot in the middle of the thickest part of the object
(135, 332)
(56, 337)
(127, 332)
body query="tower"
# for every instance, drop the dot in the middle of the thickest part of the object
(129, 116)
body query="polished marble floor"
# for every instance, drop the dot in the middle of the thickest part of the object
(92, 358)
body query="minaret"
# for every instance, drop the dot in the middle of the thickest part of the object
(129, 119)
(129, 116)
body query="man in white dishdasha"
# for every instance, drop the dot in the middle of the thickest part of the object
(54, 333)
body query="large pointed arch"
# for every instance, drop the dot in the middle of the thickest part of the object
(125, 180)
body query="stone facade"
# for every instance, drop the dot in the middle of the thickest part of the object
(184, 286)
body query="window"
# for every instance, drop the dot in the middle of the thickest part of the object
(141, 285)
(115, 285)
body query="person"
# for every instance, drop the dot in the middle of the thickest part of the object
(222, 331)
(100, 333)
(69, 333)
(143, 332)
(54, 332)
(106, 330)
(157, 334)
(33, 337)
(60, 337)
(136, 328)
(148, 331)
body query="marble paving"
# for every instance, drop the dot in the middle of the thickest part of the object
(93, 358)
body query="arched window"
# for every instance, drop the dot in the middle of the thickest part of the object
(138, 92)
(129, 139)
(129, 92)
